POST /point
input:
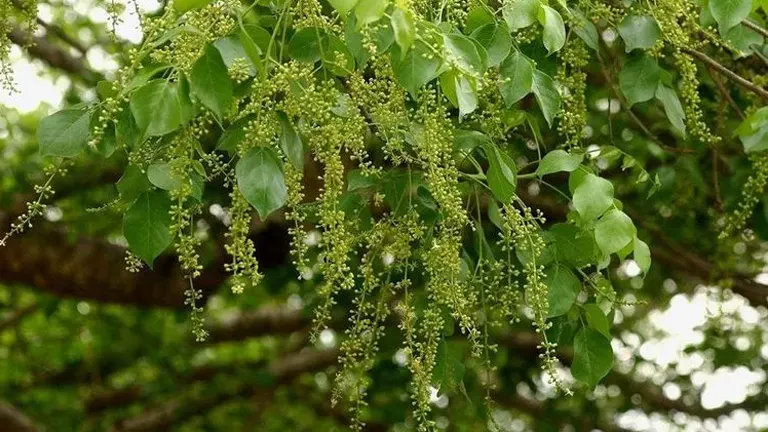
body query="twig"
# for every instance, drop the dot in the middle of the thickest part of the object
(725, 93)
(733, 76)
(754, 26)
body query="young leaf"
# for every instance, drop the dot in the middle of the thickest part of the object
(210, 81)
(336, 56)
(639, 79)
(159, 174)
(234, 134)
(182, 6)
(672, 107)
(449, 368)
(343, 6)
(642, 255)
(592, 356)
(639, 31)
(460, 91)
(496, 40)
(593, 197)
(370, 11)
(614, 231)
(465, 53)
(132, 184)
(546, 95)
(559, 160)
(554, 28)
(520, 13)
(146, 225)
(753, 131)
(290, 142)
(573, 246)
(261, 181)
(417, 68)
(64, 133)
(585, 29)
(502, 173)
(404, 29)
(160, 107)
(517, 72)
(729, 13)
(231, 49)
(304, 46)
(597, 319)
(562, 289)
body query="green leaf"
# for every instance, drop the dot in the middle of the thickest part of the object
(448, 372)
(642, 255)
(160, 175)
(465, 53)
(517, 72)
(585, 29)
(290, 142)
(546, 95)
(460, 90)
(639, 79)
(554, 28)
(520, 13)
(64, 133)
(557, 161)
(753, 131)
(496, 40)
(502, 173)
(305, 44)
(404, 29)
(209, 81)
(597, 319)
(417, 68)
(593, 197)
(146, 225)
(672, 107)
(133, 182)
(234, 134)
(743, 39)
(127, 132)
(729, 13)
(343, 6)
(614, 231)
(370, 11)
(562, 289)
(573, 246)
(592, 356)
(639, 31)
(182, 6)
(160, 107)
(231, 49)
(336, 56)
(261, 181)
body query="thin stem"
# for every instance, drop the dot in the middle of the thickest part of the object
(733, 76)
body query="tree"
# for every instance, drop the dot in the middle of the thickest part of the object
(376, 215)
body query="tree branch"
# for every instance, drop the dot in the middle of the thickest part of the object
(733, 76)
(13, 420)
(17, 315)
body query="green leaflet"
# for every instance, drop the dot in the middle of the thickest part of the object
(209, 81)
(729, 13)
(404, 29)
(639, 79)
(554, 28)
(573, 246)
(161, 107)
(562, 289)
(496, 40)
(547, 96)
(614, 231)
(592, 356)
(502, 173)
(466, 53)
(672, 107)
(187, 5)
(520, 13)
(313, 44)
(639, 31)
(133, 182)
(64, 133)
(343, 6)
(415, 69)
(593, 197)
(369, 11)
(146, 225)
(261, 181)
(290, 142)
(642, 255)
(517, 72)
(557, 161)
(753, 131)
(460, 90)
(448, 372)
(234, 134)
(597, 319)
